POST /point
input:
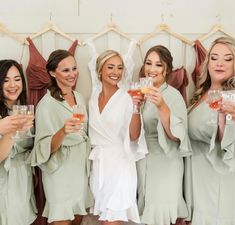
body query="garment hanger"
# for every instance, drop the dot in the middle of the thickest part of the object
(216, 28)
(5, 30)
(50, 26)
(111, 27)
(164, 28)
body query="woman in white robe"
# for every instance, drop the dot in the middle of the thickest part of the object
(118, 142)
(61, 150)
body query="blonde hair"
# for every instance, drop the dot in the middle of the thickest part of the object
(204, 78)
(103, 57)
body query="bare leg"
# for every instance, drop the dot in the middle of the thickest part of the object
(77, 220)
(64, 222)
(111, 223)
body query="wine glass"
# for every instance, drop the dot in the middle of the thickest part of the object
(145, 83)
(30, 118)
(228, 99)
(214, 102)
(16, 111)
(134, 90)
(19, 110)
(79, 114)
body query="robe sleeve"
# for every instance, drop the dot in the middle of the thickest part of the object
(221, 155)
(21, 146)
(48, 122)
(128, 61)
(92, 65)
(135, 150)
(178, 127)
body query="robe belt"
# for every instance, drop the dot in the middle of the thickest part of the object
(98, 153)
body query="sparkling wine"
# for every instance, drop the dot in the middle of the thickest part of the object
(133, 93)
(145, 90)
(79, 116)
(215, 104)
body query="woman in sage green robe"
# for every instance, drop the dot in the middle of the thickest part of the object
(17, 204)
(160, 174)
(65, 168)
(210, 177)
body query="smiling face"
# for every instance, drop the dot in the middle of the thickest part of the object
(66, 73)
(12, 86)
(155, 68)
(111, 71)
(221, 64)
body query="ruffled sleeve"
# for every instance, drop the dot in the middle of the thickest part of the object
(221, 155)
(49, 119)
(135, 150)
(178, 127)
(21, 146)
(92, 65)
(128, 61)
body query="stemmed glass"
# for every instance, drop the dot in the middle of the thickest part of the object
(134, 90)
(214, 102)
(228, 98)
(79, 114)
(19, 110)
(30, 118)
(146, 83)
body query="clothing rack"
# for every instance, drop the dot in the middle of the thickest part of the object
(216, 28)
(53, 27)
(5, 30)
(164, 28)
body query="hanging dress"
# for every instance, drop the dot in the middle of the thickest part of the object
(200, 54)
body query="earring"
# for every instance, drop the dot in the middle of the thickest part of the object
(99, 76)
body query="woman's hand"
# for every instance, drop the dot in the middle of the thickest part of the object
(11, 124)
(72, 125)
(154, 95)
(138, 100)
(228, 107)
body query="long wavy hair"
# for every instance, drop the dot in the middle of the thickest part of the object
(5, 65)
(204, 78)
(52, 63)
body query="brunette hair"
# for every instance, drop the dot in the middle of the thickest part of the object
(165, 58)
(5, 65)
(52, 63)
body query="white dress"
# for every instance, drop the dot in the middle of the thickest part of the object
(113, 177)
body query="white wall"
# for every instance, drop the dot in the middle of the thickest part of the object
(191, 18)
(83, 18)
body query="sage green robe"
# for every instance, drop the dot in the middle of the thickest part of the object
(65, 172)
(17, 203)
(160, 192)
(210, 180)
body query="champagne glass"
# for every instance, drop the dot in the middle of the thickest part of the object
(228, 99)
(19, 110)
(79, 114)
(135, 90)
(145, 83)
(215, 102)
(16, 111)
(30, 118)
